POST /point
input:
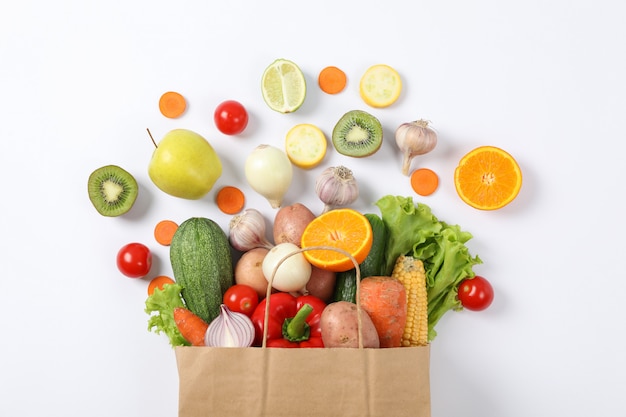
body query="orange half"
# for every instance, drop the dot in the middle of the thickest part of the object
(342, 228)
(488, 178)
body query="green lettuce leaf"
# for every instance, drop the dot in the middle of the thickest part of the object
(414, 230)
(162, 303)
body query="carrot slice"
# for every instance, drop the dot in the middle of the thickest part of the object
(424, 181)
(230, 200)
(332, 80)
(164, 231)
(159, 282)
(172, 104)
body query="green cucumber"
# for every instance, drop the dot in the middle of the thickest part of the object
(201, 260)
(372, 265)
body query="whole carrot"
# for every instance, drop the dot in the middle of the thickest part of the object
(191, 327)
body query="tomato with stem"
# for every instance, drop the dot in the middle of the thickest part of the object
(231, 117)
(241, 298)
(475, 293)
(134, 260)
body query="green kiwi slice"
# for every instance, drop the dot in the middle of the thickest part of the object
(357, 134)
(112, 190)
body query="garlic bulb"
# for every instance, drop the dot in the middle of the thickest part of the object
(414, 138)
(248, 231)
(336, 186)
(230, 329)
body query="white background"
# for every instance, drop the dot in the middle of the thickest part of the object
(80, 82)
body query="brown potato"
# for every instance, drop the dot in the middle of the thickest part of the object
(249, 270)
(322, 283)
(339, 325)
(290, 222)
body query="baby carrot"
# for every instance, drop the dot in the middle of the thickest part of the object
(158, 282)
(164, 231)
(424, 181)
(172, 104)
(230, 200)
(191, 327)
(332, 80)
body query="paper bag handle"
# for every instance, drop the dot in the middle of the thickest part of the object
(358, 290)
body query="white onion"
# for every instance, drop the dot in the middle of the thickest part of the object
(269, 172)
(292, 274)
(230, 329)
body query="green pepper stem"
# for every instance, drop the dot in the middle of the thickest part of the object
(296, 329)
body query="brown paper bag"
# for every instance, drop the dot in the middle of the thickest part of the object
(323, 382)
(304, 382)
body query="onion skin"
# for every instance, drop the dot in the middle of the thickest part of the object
(413, 139)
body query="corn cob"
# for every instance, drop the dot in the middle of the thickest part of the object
(410, 272)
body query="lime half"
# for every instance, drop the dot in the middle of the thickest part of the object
(283, 86)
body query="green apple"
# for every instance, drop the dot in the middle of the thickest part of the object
(184, 165)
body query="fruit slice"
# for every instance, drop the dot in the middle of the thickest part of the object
(380, 86)
(112, 190)
(305, 145)
(283, 86)
(488, 178)
(357, 134)
(343, 228)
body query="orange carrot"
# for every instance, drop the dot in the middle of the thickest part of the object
(172, 104)
(230, 200)
(424, 181)
(191, 327)
(158, 282)
(332, 80)
(384, 300)
(164, 231)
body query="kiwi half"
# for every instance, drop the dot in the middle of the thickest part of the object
(112, 190)
(357, 134)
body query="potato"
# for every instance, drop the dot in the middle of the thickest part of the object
(249, 270)
(290, 222)
(322, 283)
(339, 325)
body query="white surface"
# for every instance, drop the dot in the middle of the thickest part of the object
(544, 80)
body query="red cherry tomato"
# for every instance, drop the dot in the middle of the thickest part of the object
(231, 118)
(241, 298)
(475, 293)
(134, 260)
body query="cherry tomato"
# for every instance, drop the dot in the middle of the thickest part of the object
(475, 293)
(134, 260)
(241, 298)
(231, 118)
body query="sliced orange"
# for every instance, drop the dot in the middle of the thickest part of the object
(342, 228)
(488, 178)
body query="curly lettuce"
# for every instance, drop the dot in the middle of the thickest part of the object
(162, 303)
(414, 230)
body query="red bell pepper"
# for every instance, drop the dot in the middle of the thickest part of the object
(293, 321)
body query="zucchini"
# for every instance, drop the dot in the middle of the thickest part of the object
(201, 260)
(372, 265)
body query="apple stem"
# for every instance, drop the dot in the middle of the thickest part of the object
(151, 138)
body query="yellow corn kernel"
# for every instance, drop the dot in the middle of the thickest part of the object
(410, 272)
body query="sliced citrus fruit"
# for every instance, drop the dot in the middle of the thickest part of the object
(283, 86)
(342, 228)
(380, 86)
(305, 145)
(488, 178)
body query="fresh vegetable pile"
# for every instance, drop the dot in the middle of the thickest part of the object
(411, 267)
